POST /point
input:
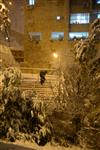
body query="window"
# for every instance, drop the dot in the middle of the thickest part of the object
(95, 15)
(98, 1)
(31, 2)
(98, 15)
(36, 36)
(78, 35)
(79, 18)
(57, 35)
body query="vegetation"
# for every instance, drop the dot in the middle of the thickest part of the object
(76, 118)
(22, 115)
(4, 20)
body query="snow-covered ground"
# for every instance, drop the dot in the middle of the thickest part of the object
(20, 145)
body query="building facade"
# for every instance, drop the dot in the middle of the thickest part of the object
(14, 38)
(42, 28)
(46, 31)
(51, 26)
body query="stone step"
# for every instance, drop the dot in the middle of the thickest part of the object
(42, 91)
(33, 85)
(48, 89)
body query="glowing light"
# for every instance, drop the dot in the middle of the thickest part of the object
(55, 55)
(7, 38)
(58, 17)
(10, 3)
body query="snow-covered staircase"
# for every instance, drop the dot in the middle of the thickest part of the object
(32, 82)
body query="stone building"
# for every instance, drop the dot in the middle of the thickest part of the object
(51, 26)
(42, 28)
(46, 31)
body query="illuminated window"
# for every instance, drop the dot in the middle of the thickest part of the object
(36, 36)
(79, 18)
(98, 15)
(98, 1)
(78, 35)
(57, 35)
(31, 2)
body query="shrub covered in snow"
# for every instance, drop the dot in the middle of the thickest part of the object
(79, 103)
(23, 115)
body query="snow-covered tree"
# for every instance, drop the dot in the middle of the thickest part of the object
(85, 50)
(81, 90)
(4, 19)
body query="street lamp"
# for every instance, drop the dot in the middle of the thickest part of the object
(55, 55)
(60, 73)
(10, 3)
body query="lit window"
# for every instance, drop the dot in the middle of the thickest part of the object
(78, 35)
(79, 18)
(36, 36)
(57, 35)
(31, 2)
(98, 1)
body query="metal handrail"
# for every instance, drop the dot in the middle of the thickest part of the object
(30, 69)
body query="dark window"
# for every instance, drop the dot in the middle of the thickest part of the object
(95, 15)
(36, 36)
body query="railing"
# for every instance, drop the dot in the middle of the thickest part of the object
(37, 70)
(32, 82)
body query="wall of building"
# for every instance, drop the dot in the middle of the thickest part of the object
(81, 6)
(16, 15)
(42, 18)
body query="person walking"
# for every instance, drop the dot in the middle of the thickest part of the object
(42, 76)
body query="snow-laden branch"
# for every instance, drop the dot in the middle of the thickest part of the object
(84, 49)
